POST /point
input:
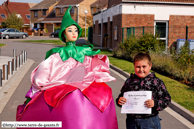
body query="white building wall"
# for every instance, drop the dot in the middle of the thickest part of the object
(161, 11)
(108, 13)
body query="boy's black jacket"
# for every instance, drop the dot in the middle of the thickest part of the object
(160, 94)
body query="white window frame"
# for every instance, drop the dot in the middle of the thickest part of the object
(92, 10)
(72, 10)
(27, 16)
(18, 16)
(4, 15)
(166, 38)
(35, 13)
(61, 10)
(44, 12)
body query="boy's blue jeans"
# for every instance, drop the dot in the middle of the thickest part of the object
(149, 123)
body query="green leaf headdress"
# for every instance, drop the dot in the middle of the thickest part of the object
(66, 22)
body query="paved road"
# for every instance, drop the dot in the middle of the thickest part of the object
(37, 52)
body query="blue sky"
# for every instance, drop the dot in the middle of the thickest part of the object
(24, 1)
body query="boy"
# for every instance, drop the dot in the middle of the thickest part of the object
(143, 80)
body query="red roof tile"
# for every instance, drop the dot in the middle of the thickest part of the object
(2, 11)
(20, 8)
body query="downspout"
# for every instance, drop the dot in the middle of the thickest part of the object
(30, 21)
(167, 36)
(53, 26)
(101, 25)
(77, 13)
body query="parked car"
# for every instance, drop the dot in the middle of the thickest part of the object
(11, 33)
(55, 34)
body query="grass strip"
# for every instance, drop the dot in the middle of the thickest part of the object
(55, 42)
(1, 44)
(104, 52)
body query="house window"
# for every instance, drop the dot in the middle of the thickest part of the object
(35, 13)
(18, 15)
(94, 29)
(61, 10)
(3, 16)
(72, 10)
(43, 12)
(99, 29)
(28, 16)
(161, 30)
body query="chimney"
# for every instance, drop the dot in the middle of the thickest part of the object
(7, 2)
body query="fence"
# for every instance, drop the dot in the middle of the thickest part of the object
(168, 34)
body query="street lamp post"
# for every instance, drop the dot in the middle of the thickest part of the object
(85, 21)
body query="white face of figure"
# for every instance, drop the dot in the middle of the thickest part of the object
(71, 33)
(142, 68)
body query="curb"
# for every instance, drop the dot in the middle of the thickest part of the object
(182, 111)
(173, 105)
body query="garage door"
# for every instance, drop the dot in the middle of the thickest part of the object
(49, 28)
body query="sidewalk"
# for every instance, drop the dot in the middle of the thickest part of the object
(8, 86)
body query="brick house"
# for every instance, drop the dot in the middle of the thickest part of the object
(21, 10)
(54, 19)
(41, 11)
(98, 5)
(3, 14)
(54, 14)
(175, 16)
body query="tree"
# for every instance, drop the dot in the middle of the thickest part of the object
(13, 21)
(89, 20)
(3, 24)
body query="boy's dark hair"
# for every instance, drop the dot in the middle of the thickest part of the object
(142, 56)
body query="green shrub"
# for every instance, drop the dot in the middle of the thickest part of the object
(168, 66)
(184, 57)
(83, 32)
(148, 42)
(3, 24)
(133, 44)
(179, 65)
(118, 53)
(46, 30)
(14, 26)
(56, 28)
